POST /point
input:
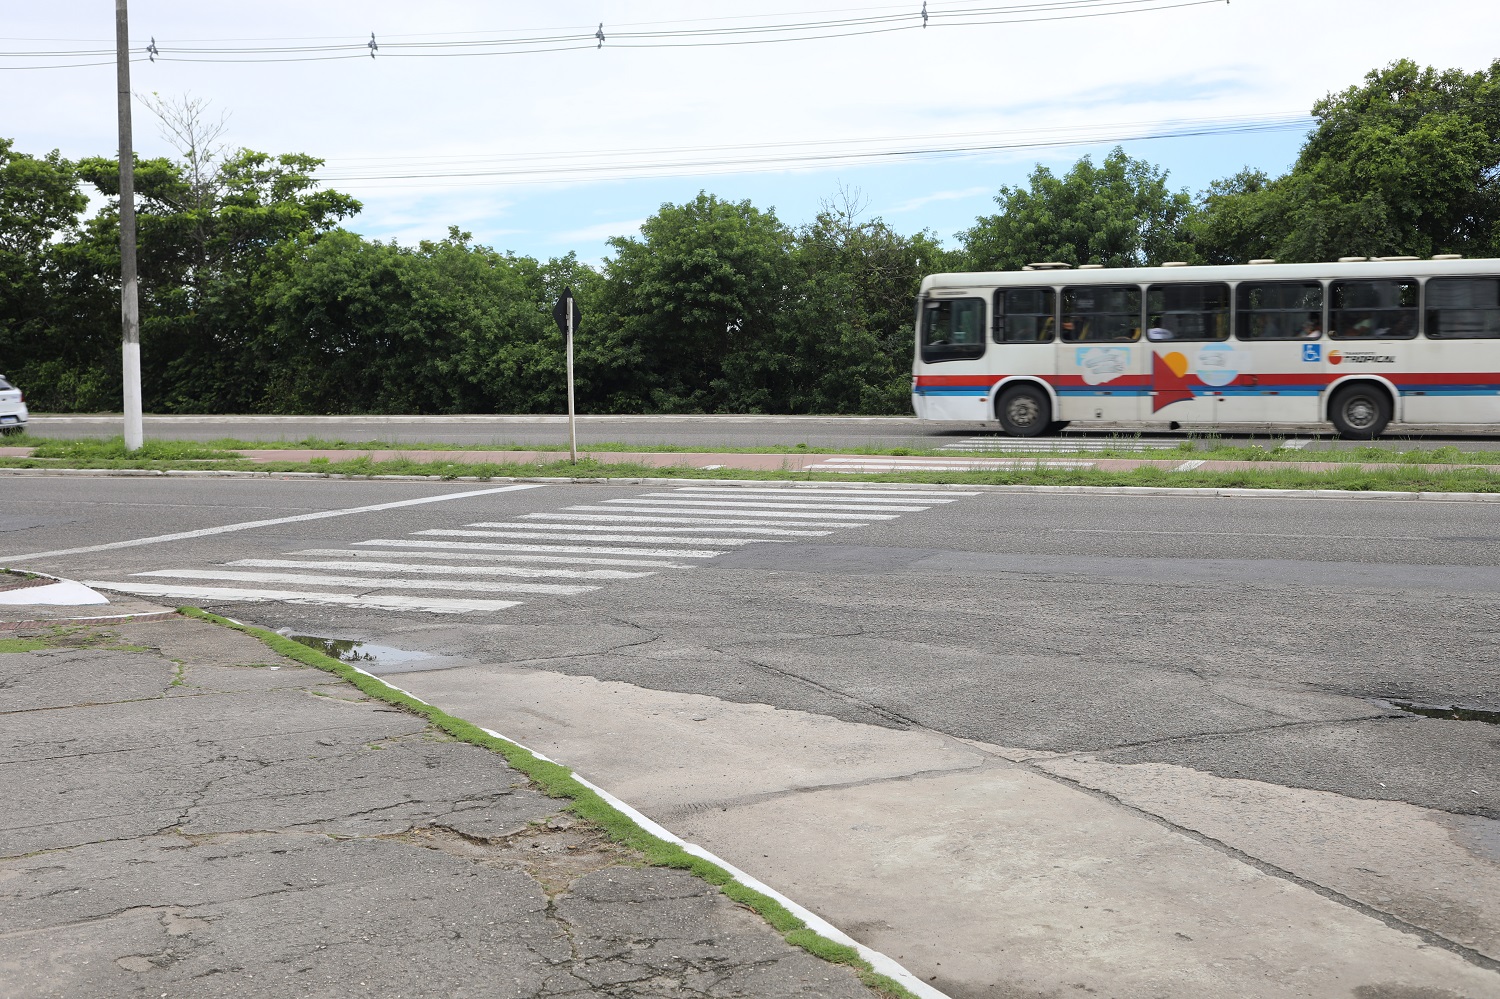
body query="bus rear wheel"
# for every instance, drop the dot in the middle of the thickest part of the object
(1360, 412)
(1024, 411)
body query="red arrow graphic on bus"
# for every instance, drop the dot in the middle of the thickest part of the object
(1167, 385)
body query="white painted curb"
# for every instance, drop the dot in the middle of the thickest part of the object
(882, 963)
(59, 593)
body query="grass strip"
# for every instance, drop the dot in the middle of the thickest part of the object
(1262, 476)
(1208, 446)
(557, 781)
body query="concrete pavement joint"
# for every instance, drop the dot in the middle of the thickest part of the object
(823, 935)
(1469, 954)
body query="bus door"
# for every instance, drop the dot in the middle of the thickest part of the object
(1283, 363)
(1193, 366)
(1102, 361)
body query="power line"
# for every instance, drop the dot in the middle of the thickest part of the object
(628, 164)
(751, 30)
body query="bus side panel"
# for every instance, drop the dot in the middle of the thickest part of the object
(1451, 381)
(955, 390)
(1274, 381)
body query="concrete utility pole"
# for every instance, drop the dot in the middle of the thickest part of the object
(130, 314)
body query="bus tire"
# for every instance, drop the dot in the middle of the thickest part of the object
(1360, 412)
(1024, 411)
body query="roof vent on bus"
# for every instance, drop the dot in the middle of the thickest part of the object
(1174, 263)
(1352, 260)
(1397, 258)
(1091, 267)
(1447, 256)
(1048, 265)
(1264, 260)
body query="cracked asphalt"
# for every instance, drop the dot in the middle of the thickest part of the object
(1224, 664)
(191, 815)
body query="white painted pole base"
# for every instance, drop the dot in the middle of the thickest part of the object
(135, 434)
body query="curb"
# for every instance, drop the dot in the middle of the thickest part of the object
(880, 963)
(156, 615)
(1201, 492)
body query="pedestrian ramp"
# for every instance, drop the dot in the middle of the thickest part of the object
(485, 567)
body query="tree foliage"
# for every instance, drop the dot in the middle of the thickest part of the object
(255, 300)
(1120, 214)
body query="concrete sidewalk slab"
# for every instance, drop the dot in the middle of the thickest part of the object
(986, 874)
(193, 815)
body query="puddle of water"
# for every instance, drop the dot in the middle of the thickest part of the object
(361, 654)
(1449, 712)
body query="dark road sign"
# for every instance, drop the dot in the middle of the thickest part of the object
(560, 311)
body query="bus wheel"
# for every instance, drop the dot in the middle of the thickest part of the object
(1360, 412)
(1024, 411)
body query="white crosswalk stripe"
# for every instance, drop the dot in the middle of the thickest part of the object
(695, 519)
(226, 594)
(1060, 446)
(641, 529)
(941, 464)
(571, 536)
(769, 505)
(313, 579)
(462, 570)
(482, 550)
(796, 501)
(845, 519)
(456, 570)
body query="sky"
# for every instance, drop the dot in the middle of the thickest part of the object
(545, 153)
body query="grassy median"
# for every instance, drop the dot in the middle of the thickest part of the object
(1263, 475)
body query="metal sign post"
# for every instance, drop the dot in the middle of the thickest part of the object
(566, 314)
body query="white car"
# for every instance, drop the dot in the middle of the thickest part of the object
(13, 414)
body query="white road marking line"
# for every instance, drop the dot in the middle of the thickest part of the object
(748, 506)
(761, 516)
(251, 524)
(480, 550)
(771, 527)
(569, 536)
(648, 529)
(803, 491)
(1002, 445)
(555, 549)
(471, 570)
(797, 501)
(1244, 534)
(1188, 466)
(554, 589)
(1295, 444)
(432, 605)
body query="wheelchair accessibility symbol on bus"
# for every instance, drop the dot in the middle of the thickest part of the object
(1312, 351)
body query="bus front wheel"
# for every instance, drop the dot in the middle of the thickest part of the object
(1024, 411)
(1360, 412)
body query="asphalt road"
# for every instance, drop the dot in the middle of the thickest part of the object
(744, 432)
(1241, 637)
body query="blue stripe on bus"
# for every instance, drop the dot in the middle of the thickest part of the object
(977, 393)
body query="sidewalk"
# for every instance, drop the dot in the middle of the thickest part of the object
(192, 815)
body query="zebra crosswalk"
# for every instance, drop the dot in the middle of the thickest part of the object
(493, 565)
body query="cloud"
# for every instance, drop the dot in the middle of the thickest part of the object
(927, 199)
(600, 232)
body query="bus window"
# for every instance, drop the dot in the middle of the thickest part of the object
(1025, 315)
(1101, 315)
(1463, 308)
(953, 329)
(1187, 312)
(1373, 309)
(1285, 310)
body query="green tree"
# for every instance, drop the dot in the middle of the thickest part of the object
(849, 333)
(1406, 163)
(690, 312)
(1119, 213)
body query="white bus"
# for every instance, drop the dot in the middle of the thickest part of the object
(1359, 344)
